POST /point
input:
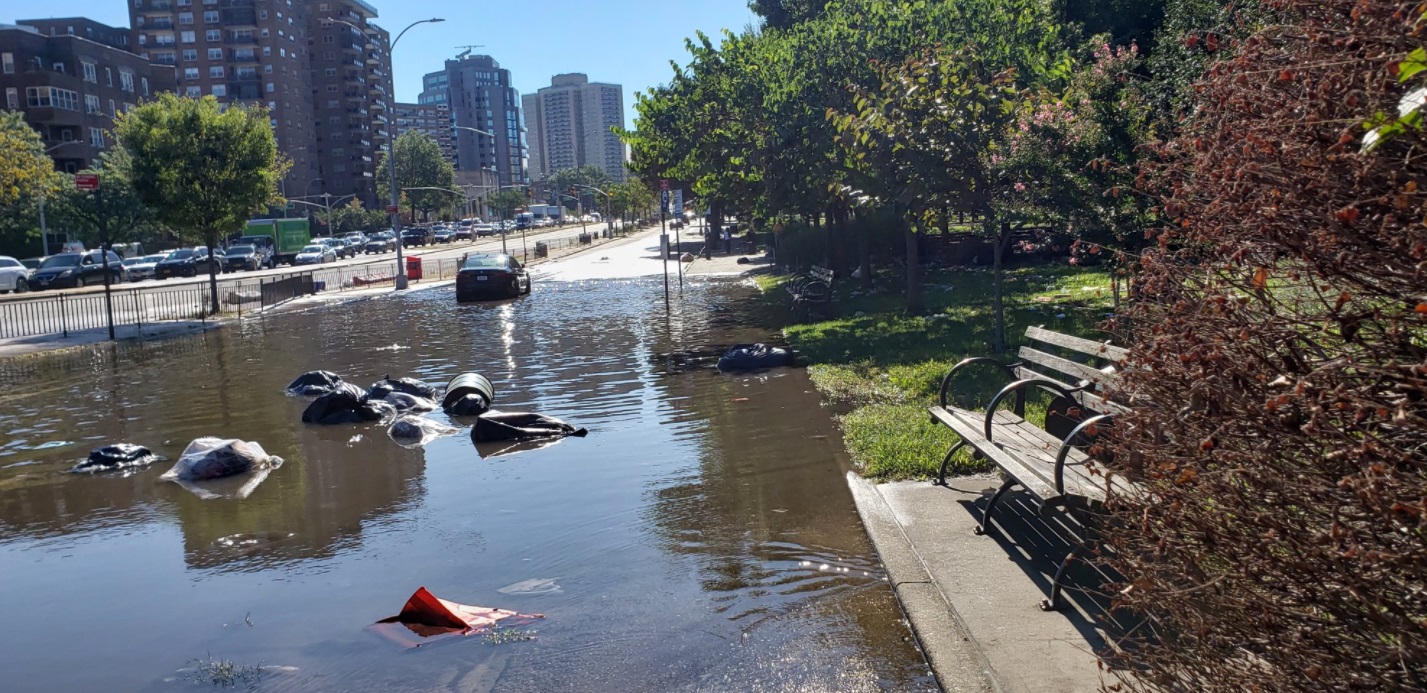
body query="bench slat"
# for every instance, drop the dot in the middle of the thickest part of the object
(1077, 371)
(1084, 346)
(968, 425)
(1037, 443)
(1089, 400)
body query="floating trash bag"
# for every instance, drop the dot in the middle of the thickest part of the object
(314, 384)
(403, 402)
(426, 620)
(347, 404)
(752, 357)
(115, 457)
(410, 386)
(219, 468)
(494, 426)
(412, 431)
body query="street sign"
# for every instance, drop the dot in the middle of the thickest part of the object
(664, 201)
(291, 206)
(679, 201)
(391, 209)
(664, 184)
(86, 181)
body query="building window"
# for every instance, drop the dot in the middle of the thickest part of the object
(126, 81)
(91, 72)
(332, 103)
(184, 3)
(215, 53)
(262, 14)
(91, 103)
(96, 138)
(267, 69)
(128, 107)
(271, 88)
(185, 17)
(220, 90)
(144, 83)
(112, 110)
(55, 97)
(190, 55)
(329, 39)
(339, 167)
(332, 88)
(108, 77)
(267, 51)
(58, 67)
(210, 16)
(213, 35)
(215, 71)
(190, 73)
(12, 99)
(265, 33)
(193, 92)
(7, 60)
(187, 37)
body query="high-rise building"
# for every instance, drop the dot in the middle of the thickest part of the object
(70, 77)
(351, 99)
(287, 55)
(479, 94)
(570, 124)
(432, 119)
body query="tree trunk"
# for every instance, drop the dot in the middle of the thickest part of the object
(864, 257)
(916, 305)
(212, 276)
(998, 344)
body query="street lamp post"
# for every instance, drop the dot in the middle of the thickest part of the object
(391, 152)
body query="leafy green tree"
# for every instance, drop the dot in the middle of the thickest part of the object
(420, 164)
(631, 198)
(505, 202)
(114, 213)
(203, 167)
(783, 14)
(26, 173)
(353, 216)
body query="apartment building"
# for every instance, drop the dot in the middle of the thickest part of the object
(352, 99)
(70, 77)
(479, 94)
(432, 119)
(569, 124)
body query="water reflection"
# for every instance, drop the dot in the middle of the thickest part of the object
(701, 537)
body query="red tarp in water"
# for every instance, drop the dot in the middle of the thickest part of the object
(427, 619)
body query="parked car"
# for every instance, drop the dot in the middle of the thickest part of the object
(14, 276)
(543, 222)
(74, 270)
(489, 276)
(356, 239)
(185, 262)
(33, 263)
(443, 235)
(141, 268)
(483, 230)
(315, 254)
(242, 257)
(464, 233)
(415, 236)
(338, 246)
(381, 242)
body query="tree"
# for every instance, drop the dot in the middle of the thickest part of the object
(631, 198)
(505, 202)
(355, 217)
(114, 213)
(203, 167)
(26, 173)
(783, 14)
(420, 164)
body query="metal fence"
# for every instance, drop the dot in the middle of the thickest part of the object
(67, 313)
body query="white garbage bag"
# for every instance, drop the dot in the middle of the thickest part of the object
(240, 465)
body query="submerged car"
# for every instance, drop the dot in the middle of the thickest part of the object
(76, 270)
(491, 276)
(141, 268)
(315, 254)
(185, 262)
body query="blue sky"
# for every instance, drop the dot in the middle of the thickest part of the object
(628, 43)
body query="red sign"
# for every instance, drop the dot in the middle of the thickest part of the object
(663, 183)
(86, 181)
(391, 209)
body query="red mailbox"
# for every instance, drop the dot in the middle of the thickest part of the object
(413, 267)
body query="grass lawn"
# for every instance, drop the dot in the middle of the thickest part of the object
(886, 367)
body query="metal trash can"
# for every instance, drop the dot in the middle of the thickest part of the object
(464, 386)
(542, 249)
(413, 267)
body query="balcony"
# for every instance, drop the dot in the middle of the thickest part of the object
(235, 4)
(166, 24)
(158, 7)
(240, 18)
(241, 40)
(165, 59)
(244, 56)
(354, 95)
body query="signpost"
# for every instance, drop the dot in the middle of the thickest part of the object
(678, 242)
(89, 182)
(664, 235)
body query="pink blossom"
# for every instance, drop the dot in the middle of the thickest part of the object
(1020, 187)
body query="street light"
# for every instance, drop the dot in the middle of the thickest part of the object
(391, 151)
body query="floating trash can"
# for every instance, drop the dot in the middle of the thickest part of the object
(468, 394)
(542, 249)
(413, 267)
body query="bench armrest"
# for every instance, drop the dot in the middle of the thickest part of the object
(1068, 444)
(1008, 369)
(1019, 385)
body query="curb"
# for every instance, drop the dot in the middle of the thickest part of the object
(958, 661)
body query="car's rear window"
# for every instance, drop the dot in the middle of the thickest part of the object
(485, 262)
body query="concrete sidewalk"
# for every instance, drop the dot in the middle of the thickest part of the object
(974, 601)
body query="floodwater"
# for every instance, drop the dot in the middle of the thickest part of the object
(701, 538)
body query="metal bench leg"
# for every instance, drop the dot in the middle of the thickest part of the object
(941, 475)
(1053, 604)
(986, 515)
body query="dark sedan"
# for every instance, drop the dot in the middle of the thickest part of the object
(444, 236)
(379, 243)
(491, 276)
(410, 237)
(184, 262)
(242, 257)
(77, 270)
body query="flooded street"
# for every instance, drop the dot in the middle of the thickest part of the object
(701, 538)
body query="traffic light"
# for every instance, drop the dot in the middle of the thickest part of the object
(574, 192)
(528, 193)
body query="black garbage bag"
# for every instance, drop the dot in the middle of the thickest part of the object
(117, 456)
(496, 426)
(403, 402)
(469, 405)
(410, 386)
(345, 405)
(752, 357)
(314, 384)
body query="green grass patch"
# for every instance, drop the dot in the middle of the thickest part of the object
(888, 365)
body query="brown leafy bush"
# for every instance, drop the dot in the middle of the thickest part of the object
(1280, 373)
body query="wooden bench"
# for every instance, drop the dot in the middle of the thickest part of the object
(1049, 463)
(812, 291)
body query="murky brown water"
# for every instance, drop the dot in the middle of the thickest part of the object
(701, 538)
